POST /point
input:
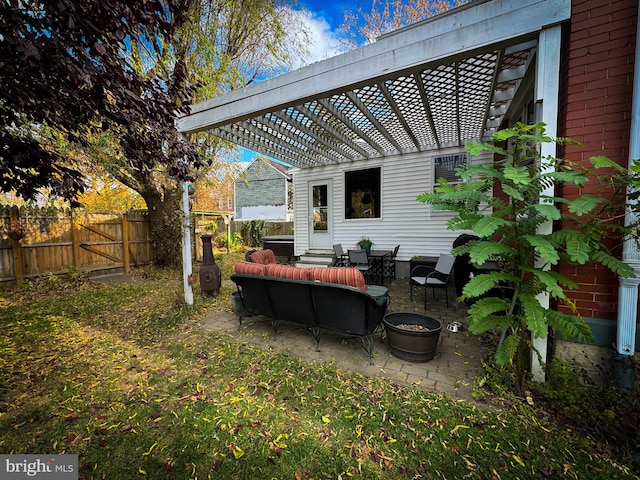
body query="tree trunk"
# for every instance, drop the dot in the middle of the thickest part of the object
(165, 221)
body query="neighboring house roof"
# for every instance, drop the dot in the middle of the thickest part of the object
(279, 167)
(439, 83)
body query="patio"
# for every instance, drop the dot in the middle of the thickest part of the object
(458, 357)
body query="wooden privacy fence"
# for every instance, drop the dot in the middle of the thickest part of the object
(35, 242)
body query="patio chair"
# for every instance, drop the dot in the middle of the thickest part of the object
(342, 259)
(389, 265)
(359, 259)
(437, 278)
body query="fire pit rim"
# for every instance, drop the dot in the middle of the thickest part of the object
(412, 345)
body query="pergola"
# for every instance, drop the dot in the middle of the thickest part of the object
(439, 83)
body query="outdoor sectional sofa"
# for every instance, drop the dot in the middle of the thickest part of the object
(321, 299)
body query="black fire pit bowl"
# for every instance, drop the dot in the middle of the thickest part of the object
(414, 346)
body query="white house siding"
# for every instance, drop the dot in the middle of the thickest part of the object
(404, 221)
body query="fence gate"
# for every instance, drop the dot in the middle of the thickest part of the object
(38, 242)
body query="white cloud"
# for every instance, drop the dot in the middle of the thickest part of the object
(322, 42)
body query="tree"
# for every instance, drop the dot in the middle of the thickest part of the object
(223, 45)
(363, 25)
(508, 300)
(110, 78)
(61, 65)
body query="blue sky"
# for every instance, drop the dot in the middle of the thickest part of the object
(330, 11)
(326, 16)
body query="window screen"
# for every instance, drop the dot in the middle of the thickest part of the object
(445, 167)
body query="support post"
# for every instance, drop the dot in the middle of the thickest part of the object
(187, 268)
(547, 89)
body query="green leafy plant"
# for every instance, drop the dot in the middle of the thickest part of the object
(254, 231)
(364, 243)
(508, 225)
(210, 227)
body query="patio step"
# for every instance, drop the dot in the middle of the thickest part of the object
(315, 258)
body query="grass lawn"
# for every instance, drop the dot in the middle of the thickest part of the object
(122, 376)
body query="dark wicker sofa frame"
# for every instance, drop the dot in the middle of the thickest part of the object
(317, 306)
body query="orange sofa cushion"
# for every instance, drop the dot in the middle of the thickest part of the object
(250, 268)
(341, 275)
(287, 271)
(265, 257)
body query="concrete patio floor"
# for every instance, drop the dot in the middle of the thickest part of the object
(456, 364)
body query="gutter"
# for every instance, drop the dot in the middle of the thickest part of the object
(628, 291)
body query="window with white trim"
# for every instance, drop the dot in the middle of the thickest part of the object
(445, 166)
(363, 193)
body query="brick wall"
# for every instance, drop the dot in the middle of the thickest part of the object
(596, 93)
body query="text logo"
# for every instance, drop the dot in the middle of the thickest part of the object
(49, 467)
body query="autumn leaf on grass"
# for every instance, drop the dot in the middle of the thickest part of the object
(278, 442)
(236, 450)
(326, 419)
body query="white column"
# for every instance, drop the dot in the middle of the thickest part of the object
(547, 88)
(187, 268)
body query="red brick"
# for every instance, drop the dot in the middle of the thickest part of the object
(597, 76)
(595, 116)
(576, 87)
(604, 28)
(580, 7)
(616, 126)
(622, 73)
(586, 308)
(597, 103)
(583, 295)
(589, 59)
(587, 43)
(600, 11)
(625, 15)
(575, 109)
(587, 94)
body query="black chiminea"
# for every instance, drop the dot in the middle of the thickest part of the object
(210, 277)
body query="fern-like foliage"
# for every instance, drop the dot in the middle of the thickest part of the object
(481, 284)
(509, 229)
(570, 326)
(507, 350)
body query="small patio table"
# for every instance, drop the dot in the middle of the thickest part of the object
(376, 259)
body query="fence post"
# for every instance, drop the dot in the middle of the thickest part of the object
(16, 248)
(125, 243)
(18, 265)
(75, 242)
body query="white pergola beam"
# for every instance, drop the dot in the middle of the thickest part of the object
(441, 39)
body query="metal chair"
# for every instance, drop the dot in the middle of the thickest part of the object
(389, 265)
(342, 259)
(358, 259)
(437, 278)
